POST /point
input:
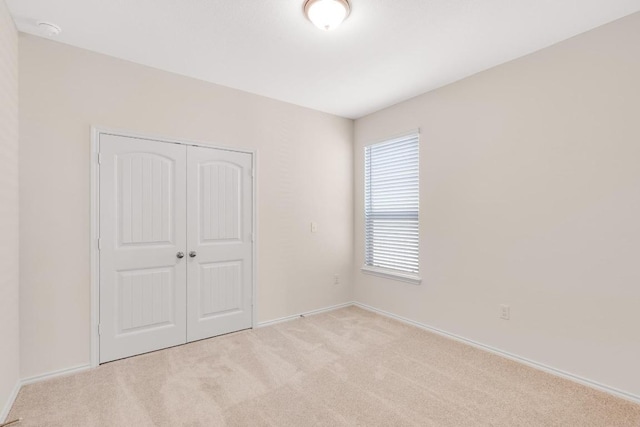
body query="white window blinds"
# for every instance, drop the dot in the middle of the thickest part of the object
(392, 204)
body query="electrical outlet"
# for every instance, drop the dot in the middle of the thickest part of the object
(505, 312)
(336, 279)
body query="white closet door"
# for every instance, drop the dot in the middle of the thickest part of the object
(219, 228)
(142, 232)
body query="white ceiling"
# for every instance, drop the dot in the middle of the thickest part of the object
(385, 52)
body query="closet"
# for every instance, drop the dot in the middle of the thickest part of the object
(175, 244)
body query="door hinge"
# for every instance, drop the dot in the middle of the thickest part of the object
(99, 244)
(99, 328)
(253, 237)
(99, 158)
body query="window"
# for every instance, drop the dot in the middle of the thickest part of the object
(391, 208)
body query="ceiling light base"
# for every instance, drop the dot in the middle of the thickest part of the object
(327, 14)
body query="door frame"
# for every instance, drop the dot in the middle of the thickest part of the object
(96, 131)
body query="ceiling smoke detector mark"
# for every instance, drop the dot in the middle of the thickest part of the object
(48, 29)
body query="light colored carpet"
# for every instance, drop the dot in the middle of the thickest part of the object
(346, 367)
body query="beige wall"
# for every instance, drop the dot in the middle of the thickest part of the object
(530, 196)
(304, 174)
(9, 330)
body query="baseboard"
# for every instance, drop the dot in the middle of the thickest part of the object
(540, 366)
(36, 379)
(80, 368)
(55, 374)
(12, 398)
(306, 313)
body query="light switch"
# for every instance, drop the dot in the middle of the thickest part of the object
(314, 227)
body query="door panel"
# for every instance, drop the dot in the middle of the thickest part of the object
(220, 288)
(142, 228)
(144, 297)
(220, 217)
(219, 231)
(146, 201)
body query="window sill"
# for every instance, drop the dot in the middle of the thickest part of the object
(390, 274)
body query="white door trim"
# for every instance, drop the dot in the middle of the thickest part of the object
(96, 131)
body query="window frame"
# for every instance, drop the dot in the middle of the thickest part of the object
(388, 273)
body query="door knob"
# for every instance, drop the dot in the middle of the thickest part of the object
(180, 254)
(192, 254)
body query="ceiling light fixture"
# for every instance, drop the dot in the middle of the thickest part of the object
(48, 29)
(327, 14)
